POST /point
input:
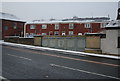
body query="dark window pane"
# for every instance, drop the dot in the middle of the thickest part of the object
(6, 28)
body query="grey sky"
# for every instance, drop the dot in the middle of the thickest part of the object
(59, 10)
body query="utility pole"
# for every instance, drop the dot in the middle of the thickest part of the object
(118, 15)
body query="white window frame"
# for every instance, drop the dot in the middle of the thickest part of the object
(87, 25)
(32, 26)
(56, 33)
(44, 26)
(56, 26)
(71, 33)
(71, 25)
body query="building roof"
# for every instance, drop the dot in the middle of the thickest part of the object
(66, 21)
(55, 22)
(114, 24)
(8, 16)
(98, 19)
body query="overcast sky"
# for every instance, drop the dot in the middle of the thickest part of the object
(59, 10)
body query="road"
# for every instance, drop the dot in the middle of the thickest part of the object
(23, 63)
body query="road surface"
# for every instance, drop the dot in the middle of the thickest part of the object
(21, 63)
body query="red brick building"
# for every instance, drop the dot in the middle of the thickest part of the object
(68, 27)
(11, 25)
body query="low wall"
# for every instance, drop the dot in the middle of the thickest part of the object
(29, 41)
(11, 39)
(38, 40)
(75, 43)
(93, 42)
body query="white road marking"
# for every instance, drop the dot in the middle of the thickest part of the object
(68, 53)
(84, 71)
(20, 57)
(2, 78)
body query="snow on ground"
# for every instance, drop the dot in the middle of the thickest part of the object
(59, 50)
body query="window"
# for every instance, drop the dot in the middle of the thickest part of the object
(14, 25)
(44, 26)
(31, 35)
(70, 32)
(118, 42)
(71, 26)
(32, 26)
(63, 32)
(56, 33)
(20, 24)
(56, 26)
(87, 25)
(102, 25)
(6, 28)
(50, 33)
(79, 33)
(27, 34)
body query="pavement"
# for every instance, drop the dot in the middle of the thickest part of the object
(20, 62)
(60, 50)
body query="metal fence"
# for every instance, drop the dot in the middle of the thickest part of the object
(67, 43)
